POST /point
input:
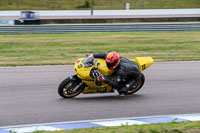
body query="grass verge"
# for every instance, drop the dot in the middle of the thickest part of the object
(173, 127)
(95, 4)
(54, 49)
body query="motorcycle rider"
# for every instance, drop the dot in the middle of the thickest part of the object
(127, 71)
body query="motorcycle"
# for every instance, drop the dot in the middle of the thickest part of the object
(82, 81)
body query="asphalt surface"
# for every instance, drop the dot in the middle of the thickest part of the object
(28, 95)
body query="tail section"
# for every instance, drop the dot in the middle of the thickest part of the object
(143, 62)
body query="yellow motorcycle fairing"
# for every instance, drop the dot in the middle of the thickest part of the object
(143, 62)
(84, 72)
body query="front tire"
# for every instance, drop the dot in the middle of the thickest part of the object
(138, 85)
(67, 86)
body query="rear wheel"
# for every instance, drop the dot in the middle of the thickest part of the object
(138, 85)
(67, 86)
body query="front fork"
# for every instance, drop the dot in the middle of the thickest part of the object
(77, 87)
(75, 78)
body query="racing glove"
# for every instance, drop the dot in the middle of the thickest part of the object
(97, 76)
(101, 78)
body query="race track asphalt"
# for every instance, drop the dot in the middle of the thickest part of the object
(28, 95)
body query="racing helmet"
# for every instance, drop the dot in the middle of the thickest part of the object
(112, 60)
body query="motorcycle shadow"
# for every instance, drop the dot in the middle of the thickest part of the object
(86, 97)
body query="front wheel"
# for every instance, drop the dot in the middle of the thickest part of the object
(67, 86)
(138, 85)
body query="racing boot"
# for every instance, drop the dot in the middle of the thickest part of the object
(122, 95)
(123, 91)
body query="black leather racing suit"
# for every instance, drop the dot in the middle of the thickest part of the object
(127, 74)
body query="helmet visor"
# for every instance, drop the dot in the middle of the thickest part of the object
(110, 65)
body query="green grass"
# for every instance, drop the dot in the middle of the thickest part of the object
(52, 49)
(184, 127)
(95, 4)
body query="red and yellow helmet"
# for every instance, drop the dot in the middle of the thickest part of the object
(112, 60)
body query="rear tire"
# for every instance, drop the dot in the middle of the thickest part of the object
(67, 86)
(138, 85)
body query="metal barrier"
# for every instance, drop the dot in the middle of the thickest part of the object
(51, 29)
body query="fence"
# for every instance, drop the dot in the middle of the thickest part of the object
(95, 4)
